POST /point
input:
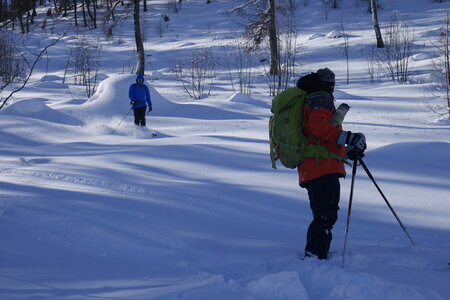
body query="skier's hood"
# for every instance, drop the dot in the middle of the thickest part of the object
(139, 77)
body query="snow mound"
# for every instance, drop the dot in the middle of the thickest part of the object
(241, 98)
(51, 82)
(313, 36)
(334, 34)
(444, 121)
(36, 109)
(422, 56)
(423, 158)
(344, 96)
(111, 99)
(51, 78)
(157, 75)
(246, 99)
(280, 286)
(51, 85)
(382, 291)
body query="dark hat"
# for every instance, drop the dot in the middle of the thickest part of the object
(326, 75)
(140, 77)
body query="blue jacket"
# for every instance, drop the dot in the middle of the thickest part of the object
(139, 93)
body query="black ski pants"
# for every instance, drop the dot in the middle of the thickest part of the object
(139, 115)
(324, 193)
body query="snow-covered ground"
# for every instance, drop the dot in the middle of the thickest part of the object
(197, 212)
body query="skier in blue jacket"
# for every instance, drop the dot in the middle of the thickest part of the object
(139, 99)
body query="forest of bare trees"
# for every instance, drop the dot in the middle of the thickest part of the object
(269, 36)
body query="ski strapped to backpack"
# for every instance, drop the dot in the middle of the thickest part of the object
(287, 141)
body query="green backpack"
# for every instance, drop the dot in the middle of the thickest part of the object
(287, 141)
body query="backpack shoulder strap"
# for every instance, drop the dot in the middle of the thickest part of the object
(320, 100)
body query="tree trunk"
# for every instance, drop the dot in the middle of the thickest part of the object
(84, 12)
(273, 40)
(376, 26)
(22, 26)
(88, 9)
(335, 4)
(95, 13)
(34, 14)
(447, 61)
(140, 68)
(75, 12)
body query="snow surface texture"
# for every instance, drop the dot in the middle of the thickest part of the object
(197, 212)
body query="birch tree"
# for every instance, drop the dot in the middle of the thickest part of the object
(376, 26)
(273, 39)
(140, 52)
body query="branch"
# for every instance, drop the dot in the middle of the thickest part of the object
(31, 71)
(241, 7)
(111, 10)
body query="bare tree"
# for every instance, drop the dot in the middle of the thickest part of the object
(240, 63)
(85, 60)
(140, 52)
(376, 26)
(395, 57)
(273, 39)
(288, 50)
(262, 25)
(174, 5)
(196, 73)
(441, 72)
(335, 4)
(11, 64)
(370, 53)
(30, 72)
(346, 47)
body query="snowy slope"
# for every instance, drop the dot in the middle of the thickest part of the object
(197, 212)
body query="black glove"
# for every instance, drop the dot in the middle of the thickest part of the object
(150, 109)
(356, 140)
(354, 154)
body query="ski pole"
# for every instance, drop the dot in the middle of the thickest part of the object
(349, 210)
(121, 120)
(387, 202)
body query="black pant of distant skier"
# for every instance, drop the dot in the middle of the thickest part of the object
(139, 116)
(324, 201)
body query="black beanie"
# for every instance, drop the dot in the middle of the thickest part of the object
(326, 75)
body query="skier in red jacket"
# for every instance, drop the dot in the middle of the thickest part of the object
(320, 176)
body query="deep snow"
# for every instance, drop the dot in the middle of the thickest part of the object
(197, 212)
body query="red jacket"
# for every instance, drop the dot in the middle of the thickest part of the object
(317, 115)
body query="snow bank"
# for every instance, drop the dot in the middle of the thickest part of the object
(36, 109)
(246, 99)
(387, 291)
(111, 100)
(334, 34)
(279, 286)
(420, 158)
